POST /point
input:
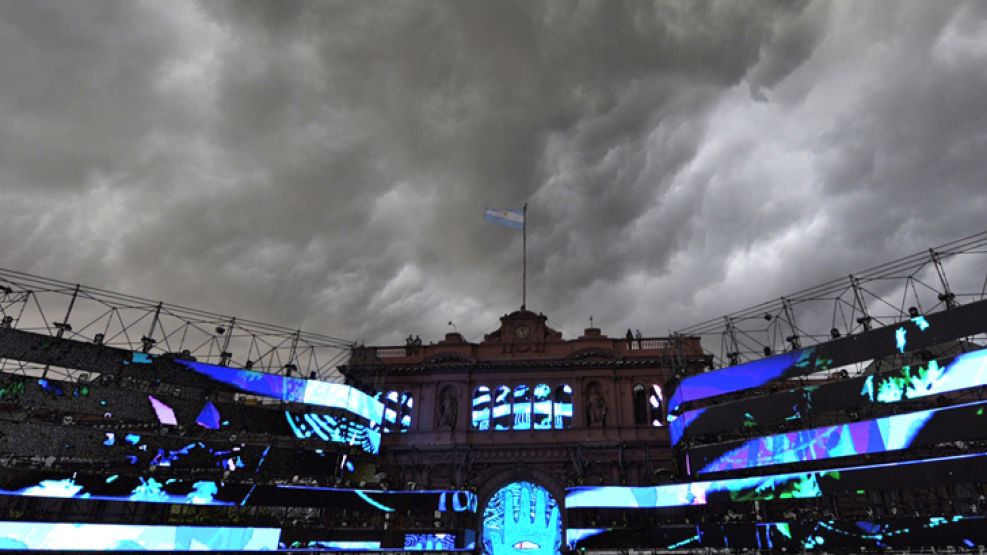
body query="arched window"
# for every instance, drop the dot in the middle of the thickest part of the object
(542, 408)
(656, 406)
(640, 405)
(407, 403)
(563, 407)
(481, 408)
(501, 409)
(522, 407)
(397, 411)
(392, 408)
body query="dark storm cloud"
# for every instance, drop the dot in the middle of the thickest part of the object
(326, 164)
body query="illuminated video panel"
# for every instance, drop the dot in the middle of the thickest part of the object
(130, 537)
(542, 407)
(891, 433)
(963, 532)
(143, 489)
(333, 429)
(948, 374)
(789, 485)
(916, 333)
(522, 407)
(503, 416)
(481, 408)
(522, 517)
(295, 390)
(563, 407)
(430, 542)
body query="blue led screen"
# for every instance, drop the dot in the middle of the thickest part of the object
(789, 485)
(501, 412)
(149, 489)
(334, 429)
(130, 537)
(295, 390)
(521, 408)
(522, 517)
(738, 378)
(481, 408)
(541, 409)
(397, 411)
(430, 542)
(917, 333)
(879, 435)
(935, 377)
(965, 532)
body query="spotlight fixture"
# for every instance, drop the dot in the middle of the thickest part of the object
(767, 351)
(98, 339)
(834, 333)
(767, 316)
(220, 330)
(912, 312)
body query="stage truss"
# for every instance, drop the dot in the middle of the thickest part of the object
(76, 312)
(939, 278)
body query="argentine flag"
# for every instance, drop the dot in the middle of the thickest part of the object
(510, 217)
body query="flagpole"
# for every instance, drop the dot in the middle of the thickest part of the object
(524, 257)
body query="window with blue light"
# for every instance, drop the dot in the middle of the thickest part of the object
(542, 407)
(503, 419)
(521, 407)
(481, 408)
(398, 408)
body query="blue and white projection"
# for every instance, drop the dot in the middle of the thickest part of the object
(129, 537)
(891, 433)
(522, 518)
(295, 390)
(521, 408)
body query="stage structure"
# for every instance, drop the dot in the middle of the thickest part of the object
(945, 276)
(849, 416)
(91, 315)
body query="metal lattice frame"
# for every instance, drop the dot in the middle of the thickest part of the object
(872, 298)
(64, 310)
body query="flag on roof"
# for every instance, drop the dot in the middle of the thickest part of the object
(510, 217)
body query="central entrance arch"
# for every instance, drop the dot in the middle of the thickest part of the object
(522, 518)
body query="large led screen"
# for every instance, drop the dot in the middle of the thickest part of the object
(149, 489)
(892, 433)
(522, 517)
(952, 532)
(521, 408)
(334, 429)
(295, 390)
(132, 537)
(935, 377)
(789, 485)
(916, 333)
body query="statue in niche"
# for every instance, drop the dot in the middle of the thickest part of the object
(596, 406)
(448, 409)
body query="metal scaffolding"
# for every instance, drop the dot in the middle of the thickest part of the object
(76, 312)
(890, 292)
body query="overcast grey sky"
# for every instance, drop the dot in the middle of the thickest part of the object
(326, 164)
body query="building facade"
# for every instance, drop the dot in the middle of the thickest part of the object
(525, 406)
